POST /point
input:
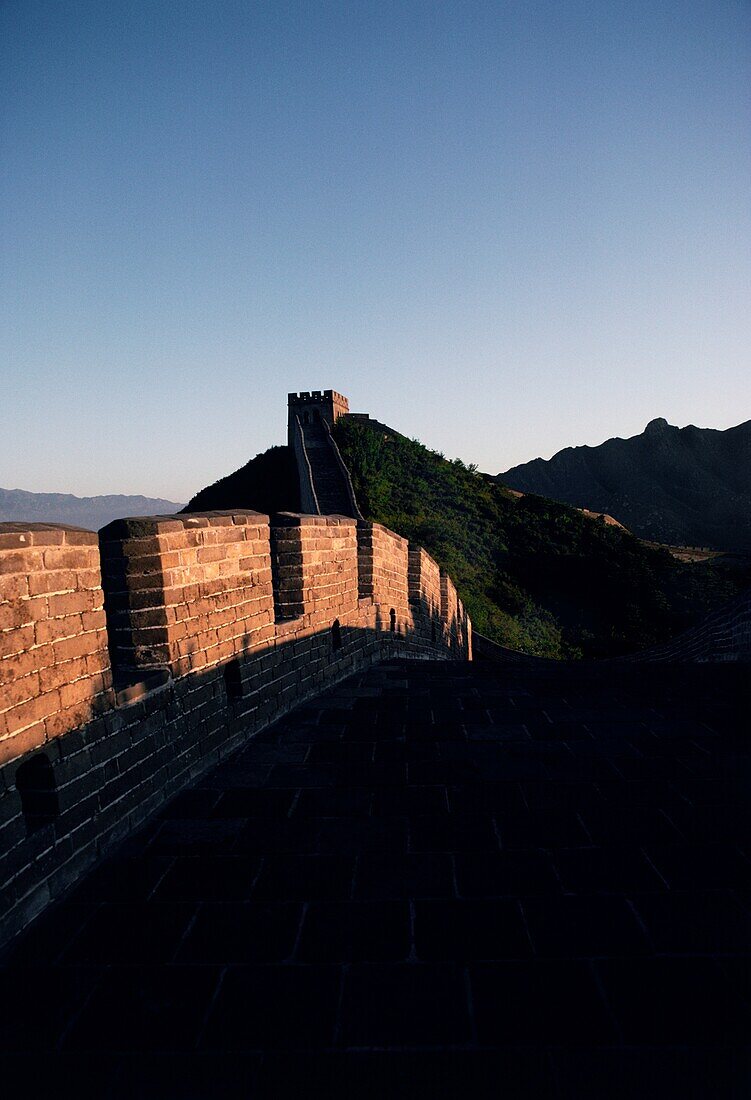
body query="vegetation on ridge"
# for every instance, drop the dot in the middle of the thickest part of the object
(534, 575)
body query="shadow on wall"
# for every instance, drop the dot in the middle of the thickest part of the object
(68, 803)
(139, 659)
(724, 636)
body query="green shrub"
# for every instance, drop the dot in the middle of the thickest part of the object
(535, 575)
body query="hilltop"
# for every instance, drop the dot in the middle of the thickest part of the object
(534, 574)
(267, 483)
(18, 506)
(685, 486)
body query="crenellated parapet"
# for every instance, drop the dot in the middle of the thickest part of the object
(186, 592)
(54, 659)
(314, 407)
(337, 402)
(132, 661)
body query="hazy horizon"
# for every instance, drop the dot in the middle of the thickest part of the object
(135, 492)
(502, 229)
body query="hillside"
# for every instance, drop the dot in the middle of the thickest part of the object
(686, 486)
(267, 483)
(534, 574)
(16, 505)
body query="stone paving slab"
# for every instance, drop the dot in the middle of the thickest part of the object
(440, 880)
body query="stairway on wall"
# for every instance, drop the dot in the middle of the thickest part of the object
(328, 480)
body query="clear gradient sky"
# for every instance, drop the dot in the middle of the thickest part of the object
(501, 227)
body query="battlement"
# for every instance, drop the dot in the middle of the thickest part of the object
(325, 405)
(318, 397)
(314, 406)
(132, 661)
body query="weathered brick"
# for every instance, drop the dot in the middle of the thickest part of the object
(79, 691)
(70, 603)
(93, 620)
(25, 561)
(19, 690)
(14, 586)
(50, 630)
(21, 664)
(14, 614)
(14, 745)
(32, 710)
(16, 641)
(72, 557)
(64, 720)
(89, 578)
(81, 645)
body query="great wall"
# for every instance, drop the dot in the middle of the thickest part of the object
(280, 856)
(135, 659)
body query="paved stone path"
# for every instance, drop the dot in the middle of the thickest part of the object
(438, 880)
(328, 479)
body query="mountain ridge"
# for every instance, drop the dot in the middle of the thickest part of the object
(535, 575)
(92, 513)
(685, 486)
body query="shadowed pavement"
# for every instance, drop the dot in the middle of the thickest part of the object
(438, 879)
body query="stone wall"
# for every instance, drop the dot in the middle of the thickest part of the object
(424, 585)
(456, 622)
(187, 592)
(384, 572)
(725, 635)
(424, 578)
(54, 663)
(214, 625)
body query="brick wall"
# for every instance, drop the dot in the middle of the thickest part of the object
(449, 607)
(187, 592)
(54, 664)
(424, 586)
(216, 625)
(723, 636)
(315, 567)
(383, 559)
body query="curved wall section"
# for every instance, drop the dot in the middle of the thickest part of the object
(724, 636)
(131, 663)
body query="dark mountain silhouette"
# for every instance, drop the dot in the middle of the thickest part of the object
(16, 505)
(685, 486)
(267, 483)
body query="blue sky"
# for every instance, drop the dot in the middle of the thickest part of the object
(503, 228)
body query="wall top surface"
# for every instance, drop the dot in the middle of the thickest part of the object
(138, 526)
(15, 535)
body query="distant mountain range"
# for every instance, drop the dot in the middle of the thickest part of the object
(684, 486)
(16, 505)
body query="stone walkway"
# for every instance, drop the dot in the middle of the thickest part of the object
(438, 880)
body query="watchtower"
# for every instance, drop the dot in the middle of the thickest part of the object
(313, 408)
